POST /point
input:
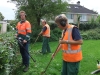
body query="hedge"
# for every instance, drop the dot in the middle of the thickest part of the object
(8, 53)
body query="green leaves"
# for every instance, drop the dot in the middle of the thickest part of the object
(37, 9)
(1, 16)
(8, 49)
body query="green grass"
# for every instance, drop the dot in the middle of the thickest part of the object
(90, 49)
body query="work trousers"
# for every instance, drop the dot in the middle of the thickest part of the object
(24, 53)
(70, 68)
(45, 45)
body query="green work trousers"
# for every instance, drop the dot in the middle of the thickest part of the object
(70, 68)
(45, 45)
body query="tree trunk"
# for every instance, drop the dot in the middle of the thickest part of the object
(78, 24)
(38, 21)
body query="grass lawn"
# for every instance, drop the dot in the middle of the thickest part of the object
(91, 51)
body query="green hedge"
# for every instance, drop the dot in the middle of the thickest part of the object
(8, 56)
(91, 34)
(88, 31)
(87, 26)
(0, 26)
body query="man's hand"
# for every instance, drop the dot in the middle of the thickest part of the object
(24, 41)
(62, 41)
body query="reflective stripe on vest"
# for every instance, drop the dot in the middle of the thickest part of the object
(69, 45)
(28, 28)
(71, 51)
(21, 31)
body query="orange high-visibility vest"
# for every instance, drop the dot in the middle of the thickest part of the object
(71, 52)
(47, 32)
(23, 28)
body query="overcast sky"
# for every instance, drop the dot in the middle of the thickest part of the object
(90, 4)
(6, 8)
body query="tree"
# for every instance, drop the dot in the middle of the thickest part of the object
(98, 19)
(78, 20)
(1, 16)
(37, 9)
(40, 9)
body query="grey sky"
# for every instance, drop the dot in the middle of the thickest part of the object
(7, 8)
(90, 4)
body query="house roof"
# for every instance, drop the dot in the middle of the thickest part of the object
(76, 8)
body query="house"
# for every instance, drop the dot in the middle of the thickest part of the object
(76, 10)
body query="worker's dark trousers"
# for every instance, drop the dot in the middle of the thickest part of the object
(24, 54)
(70, 68)
(45, 45)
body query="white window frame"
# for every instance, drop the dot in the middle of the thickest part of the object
(70, 16)
(83, 17)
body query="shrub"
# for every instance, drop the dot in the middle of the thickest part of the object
(91, 34)
(87, 26)
(0, 27)
(55, 34)
(8, 50)
(9, 27)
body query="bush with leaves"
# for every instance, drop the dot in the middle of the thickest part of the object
(8, 50)
(0, 26)
(91, 34)
(87, 26)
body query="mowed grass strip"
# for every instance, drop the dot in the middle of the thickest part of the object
(91, 53)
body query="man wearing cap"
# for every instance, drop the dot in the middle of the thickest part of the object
(46, 35)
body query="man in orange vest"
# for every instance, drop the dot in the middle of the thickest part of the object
(23, 32)
(46, 35)
(70, 43)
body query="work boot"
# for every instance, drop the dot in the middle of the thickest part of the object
(26, 68)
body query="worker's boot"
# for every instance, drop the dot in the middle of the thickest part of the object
(26, 68)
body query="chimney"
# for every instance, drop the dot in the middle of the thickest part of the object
(78, 3)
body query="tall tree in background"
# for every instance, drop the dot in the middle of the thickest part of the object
(98, 19)
(78, 20)
(37, 9)
(40, 9)
(1, 16)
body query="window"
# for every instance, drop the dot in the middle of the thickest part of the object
(69, 16)
(83, 17)
(76, 7)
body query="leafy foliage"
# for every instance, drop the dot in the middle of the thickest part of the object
(1, 16)
(90, 50)
(88, 26)
(54, 35)
(37, 9)
(91, 34)
(98, 19)
(0, 27)
(8, 49)
(13, 23)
